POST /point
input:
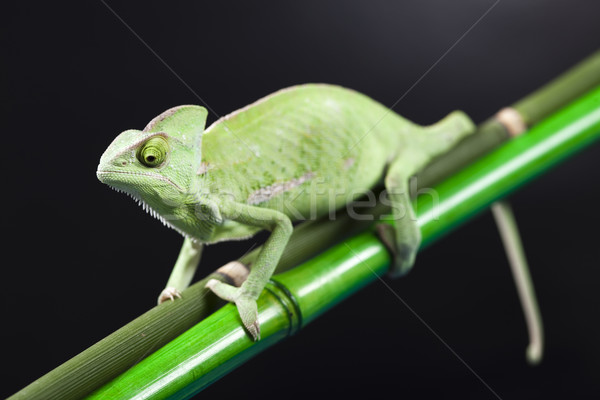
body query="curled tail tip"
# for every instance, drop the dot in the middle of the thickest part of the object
(534, 354)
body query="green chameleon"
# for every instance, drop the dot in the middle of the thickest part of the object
(266, 165)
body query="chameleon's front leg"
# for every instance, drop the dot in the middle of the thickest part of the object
(183, 271)
(246, 295)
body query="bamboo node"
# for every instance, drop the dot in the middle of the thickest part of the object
(235, 272)
(512, 121)
(287, 299)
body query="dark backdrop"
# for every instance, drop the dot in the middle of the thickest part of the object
(75, 252)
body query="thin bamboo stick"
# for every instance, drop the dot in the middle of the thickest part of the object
(117, 352)
(531, 109)
(294, 298)
(566, 88)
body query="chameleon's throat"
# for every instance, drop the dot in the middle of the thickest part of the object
(153, 212)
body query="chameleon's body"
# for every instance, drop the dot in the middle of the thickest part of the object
(296, 154)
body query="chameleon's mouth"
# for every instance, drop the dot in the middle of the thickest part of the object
(105, 177)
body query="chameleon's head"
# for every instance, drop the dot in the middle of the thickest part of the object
(157, 165)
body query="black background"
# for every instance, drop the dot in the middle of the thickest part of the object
(81, 260)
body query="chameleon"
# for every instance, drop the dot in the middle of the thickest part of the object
(269, 164)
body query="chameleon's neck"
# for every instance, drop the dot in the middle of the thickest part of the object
(189, 220)
(165, 210)
(190, 213)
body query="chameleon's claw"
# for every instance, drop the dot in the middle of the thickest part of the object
(249, 313)
(403, 254)
(169, 293)
(246, 305)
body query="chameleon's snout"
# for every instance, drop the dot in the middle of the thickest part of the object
(108, 171)
(103, 171)
(101, 175)
(117, 159)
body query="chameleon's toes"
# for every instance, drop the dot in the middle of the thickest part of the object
(223, 290)
(169, 293)
(246, 305)
(405, 260)
(249, 314)
(387, 236)
(403, 254)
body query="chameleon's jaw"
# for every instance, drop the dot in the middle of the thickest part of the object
(104, 177)
(107, 177)
(112, 177)
(115, 180)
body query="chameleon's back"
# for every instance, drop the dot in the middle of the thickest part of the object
(305, 148)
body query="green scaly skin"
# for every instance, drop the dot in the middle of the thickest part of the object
(296, 154)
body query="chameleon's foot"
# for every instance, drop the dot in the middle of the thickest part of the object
(245, 303)
(168, 294)
(403, 254)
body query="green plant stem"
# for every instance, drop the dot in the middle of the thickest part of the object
(533, 108)
(117, 352)
(566, 88)
(294, 298)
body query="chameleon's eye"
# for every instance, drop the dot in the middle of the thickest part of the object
(154, 152)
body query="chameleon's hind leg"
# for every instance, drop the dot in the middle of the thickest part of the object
(402, 239)
(516, 256)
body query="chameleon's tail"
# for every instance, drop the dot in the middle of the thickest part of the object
(443, 135)
(513, 246)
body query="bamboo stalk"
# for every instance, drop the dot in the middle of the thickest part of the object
(117, 352)
(532, 109)
(566, 88)
(294, 298)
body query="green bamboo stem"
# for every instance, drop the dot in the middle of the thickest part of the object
(124, 347)
(566, 88)
(117, 352)
(532, 109)
(294, 298)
